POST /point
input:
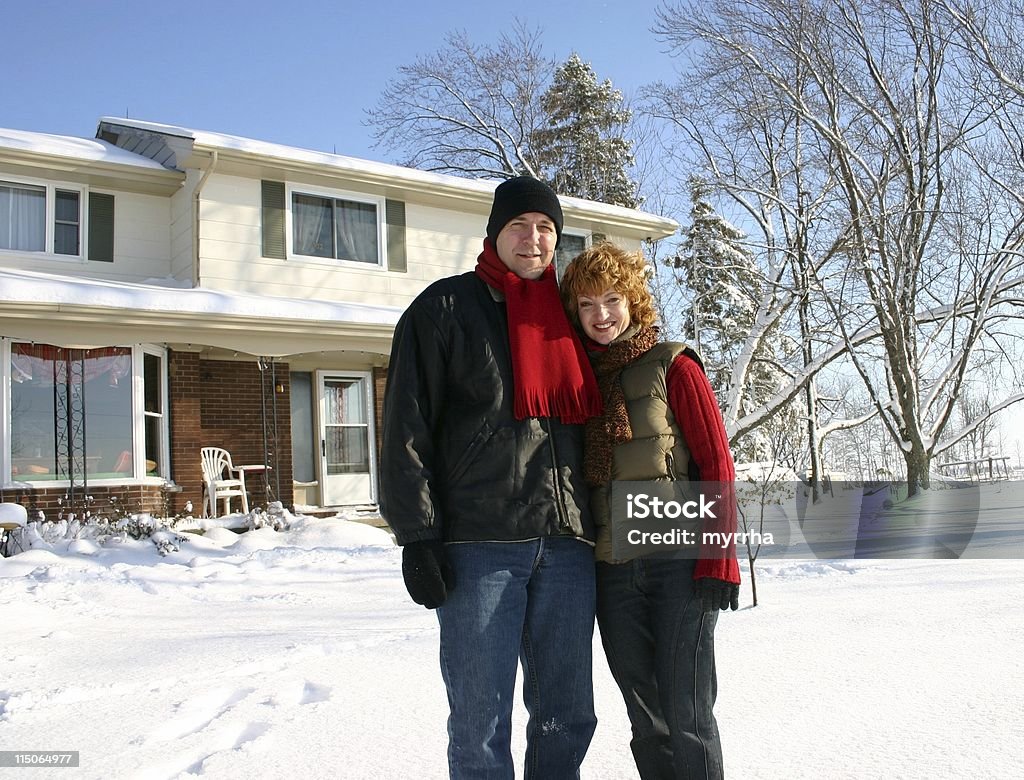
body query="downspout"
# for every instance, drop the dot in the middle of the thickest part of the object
(195, 217)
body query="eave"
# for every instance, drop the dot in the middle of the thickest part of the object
(87, 327)
(95, 173)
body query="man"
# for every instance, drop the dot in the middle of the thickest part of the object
(482, 483)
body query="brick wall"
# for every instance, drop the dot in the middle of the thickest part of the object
(219, 403)
(186, 428)
(213, 403)
(380, 380)
(101, 499)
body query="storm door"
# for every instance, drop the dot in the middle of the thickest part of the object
(347, 457)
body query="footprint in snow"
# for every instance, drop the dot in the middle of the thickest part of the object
(194, 715)
(298, 694)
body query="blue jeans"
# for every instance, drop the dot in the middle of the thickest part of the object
(532, 601)
(660, 646)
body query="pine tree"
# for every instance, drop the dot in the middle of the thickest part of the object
(725, 288)
(582, 148)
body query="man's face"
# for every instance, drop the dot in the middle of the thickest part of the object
(526, 245)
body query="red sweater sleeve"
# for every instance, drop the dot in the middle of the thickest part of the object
(695, 408)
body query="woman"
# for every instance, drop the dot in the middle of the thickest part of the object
(661, 421)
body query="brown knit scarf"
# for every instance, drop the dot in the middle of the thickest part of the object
(612, 427)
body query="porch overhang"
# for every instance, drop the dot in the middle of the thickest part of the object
(87, 313)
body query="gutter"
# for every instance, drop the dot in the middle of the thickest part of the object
(134, 178)
(85, 313)
(84, 327)
(195, 216)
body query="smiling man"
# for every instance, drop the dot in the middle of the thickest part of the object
(481, 477)
(526, 244)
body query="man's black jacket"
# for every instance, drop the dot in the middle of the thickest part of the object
(456, 465)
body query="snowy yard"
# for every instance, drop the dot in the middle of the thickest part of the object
(298, 654)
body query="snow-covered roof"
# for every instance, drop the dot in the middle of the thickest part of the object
(91, 149)
(480, 188)
(93, 312)
(167, 295)
(280, 151)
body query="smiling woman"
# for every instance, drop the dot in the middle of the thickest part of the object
(603, 316)
(611, 278)
(660, 424)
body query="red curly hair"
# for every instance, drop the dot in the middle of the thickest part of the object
(607, 267)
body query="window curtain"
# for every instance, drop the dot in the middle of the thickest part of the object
(37, 417)
(357, 231)
(36, 363)
(312, 228)
(346, 402)
(22, 218)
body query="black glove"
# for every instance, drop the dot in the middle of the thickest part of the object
(717, 594)
(428, 576)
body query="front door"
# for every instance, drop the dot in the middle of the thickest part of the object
(347, 457)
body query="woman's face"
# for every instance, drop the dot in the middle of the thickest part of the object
(603, 317)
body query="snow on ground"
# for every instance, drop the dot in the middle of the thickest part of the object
(298, 654)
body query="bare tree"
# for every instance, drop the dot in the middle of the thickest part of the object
(502, 110)
(863, 158)
(469, 108)
(753, 154)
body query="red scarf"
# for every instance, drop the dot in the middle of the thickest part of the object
(551, 371)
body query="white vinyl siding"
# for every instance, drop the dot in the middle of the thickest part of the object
(439, 242)
(141, 238)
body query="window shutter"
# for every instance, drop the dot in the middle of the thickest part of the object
(273, 219)
(101, 227)
(395, 218)
(597, 238)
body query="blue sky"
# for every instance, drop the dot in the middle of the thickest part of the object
(295, 73)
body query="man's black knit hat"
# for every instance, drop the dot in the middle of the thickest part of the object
(519, 196)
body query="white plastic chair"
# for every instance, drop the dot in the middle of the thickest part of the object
(217, 463)
(13, 517)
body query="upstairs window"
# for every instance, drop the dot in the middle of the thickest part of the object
(300, 222)
(22, 217)
(50, 219)
(336, 228)
(570, 246)
(67, 223)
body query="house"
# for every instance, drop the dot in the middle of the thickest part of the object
(164, 289)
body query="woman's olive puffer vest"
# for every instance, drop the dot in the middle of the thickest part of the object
(657, 450)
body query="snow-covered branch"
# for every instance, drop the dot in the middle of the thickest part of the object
(962, 434)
